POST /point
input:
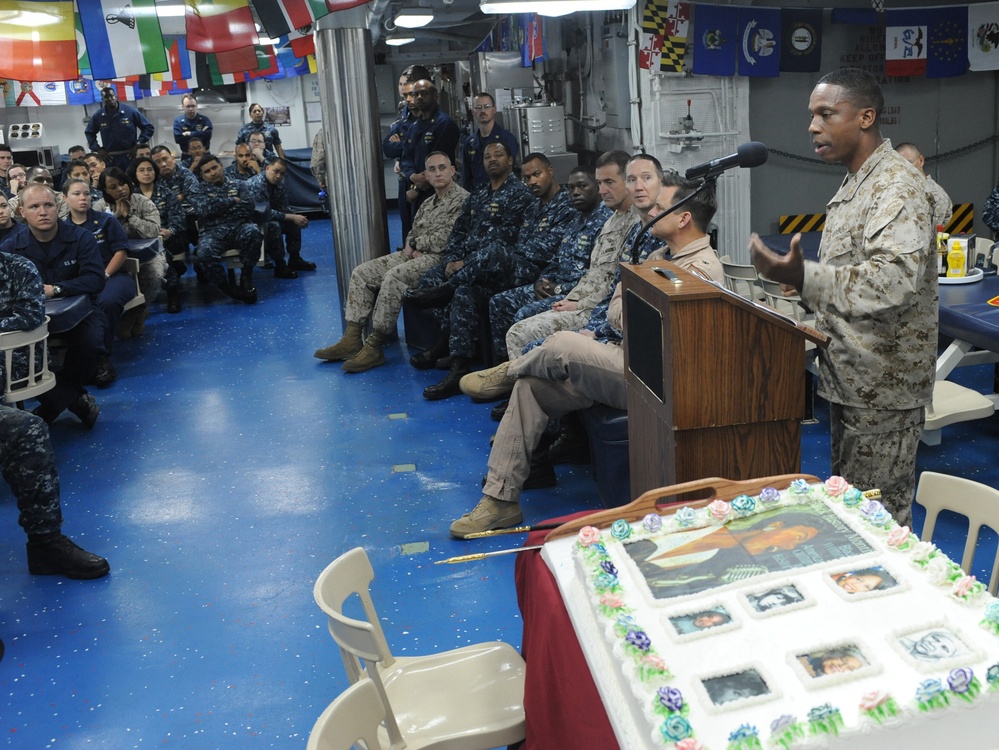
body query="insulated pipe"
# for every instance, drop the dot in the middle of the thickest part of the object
(356, 182)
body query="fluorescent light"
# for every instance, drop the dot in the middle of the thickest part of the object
(552, 7)
(169, 11)
(397, 40)
(413, 18)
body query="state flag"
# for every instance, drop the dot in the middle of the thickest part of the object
(931, 42)
(759, 42)
(801, 40)
(983, 36)
(716, 32)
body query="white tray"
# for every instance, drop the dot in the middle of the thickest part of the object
(975, 274)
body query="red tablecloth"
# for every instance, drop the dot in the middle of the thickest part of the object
(561, 702)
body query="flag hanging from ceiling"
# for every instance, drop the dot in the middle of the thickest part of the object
(674, 47)
(931, 42)
(236, 60)
(653, 22)
(38, 41)
(532, 34)
(34, 93)
(759, 42)
(983, 36)
(122, 38)
(266, 64)
(219, 25)
(218, 78)
(716, 30)
(801, 40)
(302, 41)
(80, 91)
(281, 17)
(180, 74)
(289, 65)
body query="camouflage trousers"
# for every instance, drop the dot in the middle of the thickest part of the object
(510, 306)
(876, 449)
(29, 468)
(276, 234)
(151, 276)
(377, 286)
(541, 326)
(213, 242)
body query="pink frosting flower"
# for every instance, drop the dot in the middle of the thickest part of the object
(654, 661)
(963, 586)
(689, 744)
(873, 699)
(612, 600)
(836, 486)
(898, 536)
(719, 510)
(588, 535)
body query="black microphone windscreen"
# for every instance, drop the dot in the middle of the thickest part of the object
(752, 154)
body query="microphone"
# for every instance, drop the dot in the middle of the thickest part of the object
(751, 154)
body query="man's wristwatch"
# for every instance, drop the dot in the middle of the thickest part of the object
(56, 290)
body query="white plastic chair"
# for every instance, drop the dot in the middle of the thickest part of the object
(974, 500)
(38, 379)
(470, 698)
(354, 716)
(132, 269)
(741, 279)
(953, 403)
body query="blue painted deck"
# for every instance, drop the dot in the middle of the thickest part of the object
(227, 469)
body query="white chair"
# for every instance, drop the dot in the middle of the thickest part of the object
(132, 269)
(978, 502)
(354, 716)
(953, 403)
(741, 279)
(38, 379)
(470, 698)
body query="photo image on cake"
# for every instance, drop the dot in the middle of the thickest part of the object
(832, 661)
(691, 561)
(934, 646)
(696, 622)
(775, 598)
(738, 686)
(864, 580)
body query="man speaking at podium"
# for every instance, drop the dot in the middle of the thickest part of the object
(873, 290)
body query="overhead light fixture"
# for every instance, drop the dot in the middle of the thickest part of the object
(552, 7)
(170, 11)
(397, 40)
(413, 18)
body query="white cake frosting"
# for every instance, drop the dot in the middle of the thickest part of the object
(847, 631)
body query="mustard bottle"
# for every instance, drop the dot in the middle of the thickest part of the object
(956, 260)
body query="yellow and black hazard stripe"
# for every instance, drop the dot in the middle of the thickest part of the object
(962, 221)
(793, 223)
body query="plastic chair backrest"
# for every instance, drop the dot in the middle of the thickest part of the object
(740, 278)
(354, 716)
(978, 502)
(781, 303)
(132, 269)
(38, 378)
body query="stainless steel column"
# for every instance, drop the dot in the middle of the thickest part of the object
(355, 181)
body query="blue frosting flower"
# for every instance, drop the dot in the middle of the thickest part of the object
(620, 529)
(871, 507)
(959, 680)
(639, 639)
(625, 620)
(745, 732)
(686, 516)
(652, 522)
(781, 723)
(800, 487)
(928, 690)
(992, 612)
(879, 518)
(605, 581)
(852, 497)
(992, 675)
(823, 712)
(671, 698)
(770, 495)
(676, 728)
(608, 567)
(744, 504)
(599, 548)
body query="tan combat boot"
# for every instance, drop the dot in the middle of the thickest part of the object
(370, 355)
(345, 348)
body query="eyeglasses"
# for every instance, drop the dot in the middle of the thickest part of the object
(481, 107)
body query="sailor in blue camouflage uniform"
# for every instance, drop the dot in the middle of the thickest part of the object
(244, 166)
(226, 211)
(567, 268)
(272, 139)
(487, 130)
(183, 184)
(269, 189)
(26, 457)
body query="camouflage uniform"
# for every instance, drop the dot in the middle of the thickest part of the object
(274, 226)
(272, 139)
(874, 292)
(377, 286)
(438, 132)
(564, 272)
(473, 168)
(29, 468)
(941, 205)
(22, 305)
(172, 217)
(143, 223)
(593, 287)
(232, 172)
(226, 212)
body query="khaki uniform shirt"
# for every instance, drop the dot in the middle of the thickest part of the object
(595, 285)
(874, 288)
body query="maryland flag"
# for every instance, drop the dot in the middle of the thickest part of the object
(664, 42)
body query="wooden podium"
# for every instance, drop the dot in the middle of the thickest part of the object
(716, 383)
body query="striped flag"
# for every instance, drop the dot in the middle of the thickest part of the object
(302, 41)
(127, 88)
(123, 38)
(218, 77)
(180, 73)
(219, 25)
(281, 17)
(38, 40)
(34, 93)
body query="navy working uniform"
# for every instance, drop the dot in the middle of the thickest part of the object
(172, 217)
(184, 129)
(118, 132)
(272, 138)
(226, 213)
(274, 225)
(72, 262)
(233, 173)
(565, 271)
(119, 288)
(437, 132)
(473, 170)
(393, 150)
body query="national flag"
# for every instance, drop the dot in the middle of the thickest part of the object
(218, 77)
(716, 30)
(82, 57)
(302, 41)
(289, 66)
(38, 40)
(127, 88)
(180, 71)
(801, 40)
(237, 60)
(266, 62)
(219, 25)
(930, 41)
(983, 36)
(674, 46)
(759, 42)
(80, 91)
(532, 45)
(281, 17)
(122, 38)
